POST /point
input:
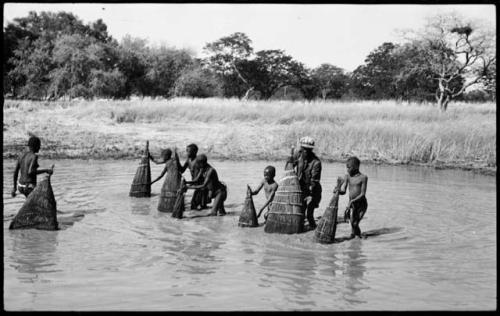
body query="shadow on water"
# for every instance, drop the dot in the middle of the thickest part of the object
(71, 217)
(372, 233)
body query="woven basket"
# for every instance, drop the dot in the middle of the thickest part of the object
(286, 214)
(248, 216)
(39, 210)
(141, 186)
(327, 225)
(179, 205)
(171, 185)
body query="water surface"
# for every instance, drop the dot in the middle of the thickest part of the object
(433, 246)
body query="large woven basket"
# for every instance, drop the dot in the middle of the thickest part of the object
(141, 186)
(171, 185)
(286, 214)
(39, 210)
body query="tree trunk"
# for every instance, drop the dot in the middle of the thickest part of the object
(245, 97)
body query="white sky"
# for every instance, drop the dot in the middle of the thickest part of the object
(342, 35)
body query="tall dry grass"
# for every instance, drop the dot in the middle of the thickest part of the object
(379, 131)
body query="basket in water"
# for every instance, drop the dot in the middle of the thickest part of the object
(327, 225)
(248, 216)
(172, 183)
(286, 215)
(39, 210)
(179, 205)
(141, 186)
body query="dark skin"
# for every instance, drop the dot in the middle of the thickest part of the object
(165, 158)
(270, 187)
(190, 161)
(357, 183)
(33, 171)
(210, 182)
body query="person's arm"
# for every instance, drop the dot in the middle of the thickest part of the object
(205, 183)
(315, 175)
(343, 187)
(269, 200)
(256, 191)
(364, 182)
(161, 175)
(153, 160)
(196, 177)
(16, 175)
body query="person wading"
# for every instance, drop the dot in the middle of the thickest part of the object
(308, 168)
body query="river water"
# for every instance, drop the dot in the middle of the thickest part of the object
(432, 246)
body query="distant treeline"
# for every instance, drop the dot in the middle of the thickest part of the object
(55, 55)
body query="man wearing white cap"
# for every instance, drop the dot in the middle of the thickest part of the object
(308, 168)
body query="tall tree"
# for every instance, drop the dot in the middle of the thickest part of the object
(228, 56)
(331, 80)
(456, 48)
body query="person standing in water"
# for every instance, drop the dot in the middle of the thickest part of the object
(27, 165)
(270, 186)
(308, 168)
(200, 197)
(357, 206)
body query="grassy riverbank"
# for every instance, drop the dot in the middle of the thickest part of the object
(381, 132)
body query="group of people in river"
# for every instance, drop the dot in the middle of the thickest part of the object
(208, 188)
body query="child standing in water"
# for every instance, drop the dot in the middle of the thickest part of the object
(200, 197)
(270, 187)
(27, 165)
(357, 206)
(216, 189)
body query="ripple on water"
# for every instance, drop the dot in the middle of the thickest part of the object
(428, 232)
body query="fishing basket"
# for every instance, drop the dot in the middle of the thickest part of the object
(286, 214)
(248, 216)
(327, 225)
(39, 210)
(141, 185)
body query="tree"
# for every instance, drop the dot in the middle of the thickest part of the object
(29, 66)
(456, 48)
(165, 66)
(227, 57)
(271, 70)
(330, 80)
(198, 83)
(133, 63)
(375, 79)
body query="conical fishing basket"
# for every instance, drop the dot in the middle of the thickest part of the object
(327, 225)
(286, 214)
(170, 187)
(179, 205)
(39, 210)
(248, 216)
(141, 186)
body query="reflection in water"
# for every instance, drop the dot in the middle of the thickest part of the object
(292, 272)
(354, 269)
(122, 247)
(33, 251)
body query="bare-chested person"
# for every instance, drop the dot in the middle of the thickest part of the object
(217, 190)
(270, 186)
(200, 196)
(357, 206)
(27, 166)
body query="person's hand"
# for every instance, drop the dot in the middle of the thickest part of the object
(51, 170)
(308, 199)
(13, 193)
